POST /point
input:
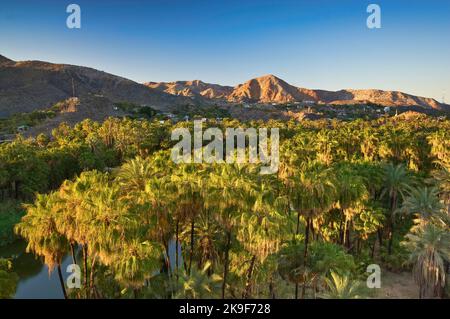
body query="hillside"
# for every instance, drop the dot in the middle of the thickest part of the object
(27, 86)
(31, 85)
(194, 88)
(271, 89)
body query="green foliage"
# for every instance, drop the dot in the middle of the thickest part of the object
(10, 215)
(327, 257)
(11, 124)
(8, 279)
(342, 287)
(112, 189)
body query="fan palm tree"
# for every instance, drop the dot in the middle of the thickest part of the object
(75, 211)
(442, 178)
(429, 246)
(261, 227)
(38, 227)
(312, 191)
(229, 194)
(134, 174)
(199, 284)
(425, 203)
(396, 182)
(351, 192)
(341, 287)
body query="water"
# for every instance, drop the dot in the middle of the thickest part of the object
(36, 283)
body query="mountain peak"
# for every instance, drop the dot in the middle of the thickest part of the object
(4, 59)
(268, 77)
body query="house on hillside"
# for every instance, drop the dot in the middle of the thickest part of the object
(22, 128)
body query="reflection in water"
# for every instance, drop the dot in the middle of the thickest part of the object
(35, 281)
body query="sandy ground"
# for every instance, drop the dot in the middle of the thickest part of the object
(398, 286)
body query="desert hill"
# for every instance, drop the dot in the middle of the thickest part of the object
(26, 86)
(31, 85)
(271, 89)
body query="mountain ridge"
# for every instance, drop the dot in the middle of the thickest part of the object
(271, 89)
(26, 86)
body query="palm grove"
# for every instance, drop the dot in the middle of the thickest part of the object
(347, 194)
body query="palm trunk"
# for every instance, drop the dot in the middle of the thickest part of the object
(392, 222)
(248, 284)
(380, 236)
(296, 233)
(61, 281)
(305, 256)
(91, 279)
(225, 264)
(308, 222)
(176, 248)
(167, 258)
(191, 253)
(72, 251)
(85, 266)
(347, 234)
(373, 249)
(391, 239)
(271, 289)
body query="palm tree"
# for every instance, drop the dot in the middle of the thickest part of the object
(341, 287)
(396, 182)
(75, 210)
(261, 227)
(199, 284)
(228, 194)
(38, 227)
(442, 179)
(8, 279)
(134, 174)
(429, 246)
(189, 184)
(351, 192)
(425, 203)
(312, 192)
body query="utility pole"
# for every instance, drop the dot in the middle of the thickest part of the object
(73, 89)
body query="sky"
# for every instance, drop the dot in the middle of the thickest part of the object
(318, 44)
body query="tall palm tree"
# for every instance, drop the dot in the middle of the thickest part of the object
(38, 227)
(397, 181)
(429, 246)
(261, 227)
(228, 194)
(312, 191)
(425, 203)
(75, 211)
(189, 182)
(351, 192)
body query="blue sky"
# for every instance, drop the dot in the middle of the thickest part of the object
(315, 44)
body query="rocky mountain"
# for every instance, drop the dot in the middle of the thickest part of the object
(193, 89)
(269, 88)
(387, 98)
(26, 86)
(31, 85)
